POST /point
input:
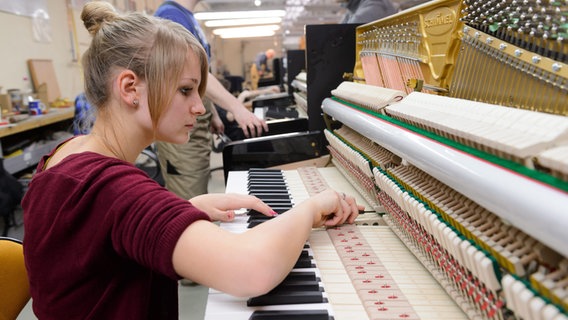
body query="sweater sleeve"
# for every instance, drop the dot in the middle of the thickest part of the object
(145, 219)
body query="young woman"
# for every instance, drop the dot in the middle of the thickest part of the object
(103, 240)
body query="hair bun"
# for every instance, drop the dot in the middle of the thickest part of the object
(95, 13)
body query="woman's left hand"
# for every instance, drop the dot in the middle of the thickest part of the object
(222, 206)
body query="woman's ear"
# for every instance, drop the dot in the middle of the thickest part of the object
(128, 87)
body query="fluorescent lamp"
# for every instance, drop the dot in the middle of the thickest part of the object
(259, 34)
(239, 14)
(241, 22)
(247, 32)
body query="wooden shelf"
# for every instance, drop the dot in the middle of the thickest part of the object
(54, 115)
(31, 155)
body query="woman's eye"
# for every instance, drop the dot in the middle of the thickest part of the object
(185, 90)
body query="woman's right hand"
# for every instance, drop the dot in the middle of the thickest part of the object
(334, 208)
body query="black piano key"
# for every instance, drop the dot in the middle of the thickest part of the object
(256, 220)
(301, 285)
(256, 214)
(266, 177)
(265, 173)
(283, 192)
(267, 170)
(262, 183)
(267, 199)
(268, 188)
(254, 223)
(304, 262)
(276, 202)
(292, 297)
(264, 170)
(259, 218)
(253, 214)
(301, 276)
(278, 208)
(266, 182)
(260, 188)
(272, 204)
(275, 196)
(263, 189)
(290, 315)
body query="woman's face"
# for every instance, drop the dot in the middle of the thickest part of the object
(180, 116)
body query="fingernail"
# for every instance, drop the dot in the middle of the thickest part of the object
(274, 213)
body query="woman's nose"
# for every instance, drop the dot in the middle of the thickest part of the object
(198, 108)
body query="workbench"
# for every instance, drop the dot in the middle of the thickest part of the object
(34, 129)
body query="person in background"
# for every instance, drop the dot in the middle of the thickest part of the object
(83, 117)
(104, 241)
(365, 11)
(186, 167)
(261, 63)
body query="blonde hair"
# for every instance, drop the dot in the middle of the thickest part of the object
(154, 49)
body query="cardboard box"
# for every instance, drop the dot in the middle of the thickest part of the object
(42, 95)
(5, 104)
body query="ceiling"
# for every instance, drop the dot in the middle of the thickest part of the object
(298, 12)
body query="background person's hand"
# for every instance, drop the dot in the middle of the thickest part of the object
(251, 125)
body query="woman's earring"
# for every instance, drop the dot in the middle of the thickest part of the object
(135, 102)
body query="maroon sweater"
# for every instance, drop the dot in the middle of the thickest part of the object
(99, 238)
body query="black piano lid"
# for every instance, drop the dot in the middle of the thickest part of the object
(270, 151)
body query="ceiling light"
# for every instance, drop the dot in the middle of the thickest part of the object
(257, 3)
(239, 14)
(247, 32)
(241, 22)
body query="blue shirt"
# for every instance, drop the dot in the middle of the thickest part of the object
(262, 60)
(84, 116)
(173, 11)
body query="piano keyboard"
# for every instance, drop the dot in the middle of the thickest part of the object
(280, 302)
(363, 271)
